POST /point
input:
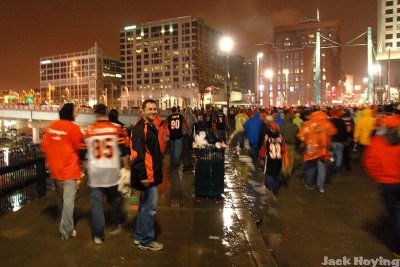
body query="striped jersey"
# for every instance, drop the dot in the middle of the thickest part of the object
(106, 143)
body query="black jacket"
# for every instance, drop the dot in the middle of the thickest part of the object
(145, 154)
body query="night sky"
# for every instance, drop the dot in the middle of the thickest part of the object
(30, 29)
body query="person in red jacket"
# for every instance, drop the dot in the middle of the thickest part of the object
(381, 160)
(61, 143)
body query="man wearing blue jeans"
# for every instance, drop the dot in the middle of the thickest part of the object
(175, 123)
(106, 144)
(312, 166)
(146, 174)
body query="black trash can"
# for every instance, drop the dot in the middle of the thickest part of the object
(209, 172)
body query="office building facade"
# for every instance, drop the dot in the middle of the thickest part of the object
(294, 66)
(85, 78)
(172, 61)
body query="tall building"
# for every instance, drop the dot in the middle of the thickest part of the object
(388, 29)
(388, 47)
(85, 78)
(294, 68)
(174, 61)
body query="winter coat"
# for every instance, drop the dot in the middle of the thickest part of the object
(316, 134)
(364, 126)
(298, 121)
(382, 157)
(289, 130)
(252, 129)
(240, 119)
(145, 154)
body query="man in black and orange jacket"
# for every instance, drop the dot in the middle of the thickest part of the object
(146, 174)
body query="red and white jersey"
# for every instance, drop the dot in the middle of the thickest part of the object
(102, 140)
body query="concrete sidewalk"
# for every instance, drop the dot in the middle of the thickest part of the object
(195, 231)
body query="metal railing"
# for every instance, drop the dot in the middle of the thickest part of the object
(22, 176)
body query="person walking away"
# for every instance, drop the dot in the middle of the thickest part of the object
(316, 134)
(338, 139)
(221, 125)
(273, 152)
(252, 128)
(146, 174)
(289, 131)
(348, 143)
(233, 111)
(61, 142)
(364, 127)
(238, 134)
(381, 161)
(106, 144)
(175, 123)
(297, 120)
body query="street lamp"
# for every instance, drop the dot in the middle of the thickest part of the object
(377, 70)
(268, 73)
(388, 73)
(226, 45)
(286, 72)
(77, 76)
(259, 78)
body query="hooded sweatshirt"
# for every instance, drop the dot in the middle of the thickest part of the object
(364, 126)
(252, 129)
(316, 134)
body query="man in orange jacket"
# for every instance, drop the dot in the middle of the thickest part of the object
(381, 160)
(60, 145)
(316, 134)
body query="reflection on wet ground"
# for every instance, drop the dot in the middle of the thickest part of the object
(299, 227)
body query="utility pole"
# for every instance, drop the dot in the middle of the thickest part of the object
(317, 68)
(370, 97)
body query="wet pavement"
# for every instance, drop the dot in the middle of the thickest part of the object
(246, 226)
(195, 231)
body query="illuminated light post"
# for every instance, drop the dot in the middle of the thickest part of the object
(268, 73)
(388, 73)
(377, 70)
(286, 72)
(226, 45)
(259, 78)
(77, 76)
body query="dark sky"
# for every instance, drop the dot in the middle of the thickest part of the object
(30, 29)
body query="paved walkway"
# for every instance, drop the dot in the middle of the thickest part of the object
(242, 228)
(195, 231)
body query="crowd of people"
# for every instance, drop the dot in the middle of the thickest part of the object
(325, 137)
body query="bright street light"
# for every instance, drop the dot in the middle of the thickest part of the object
(268, 73)
(226, 45)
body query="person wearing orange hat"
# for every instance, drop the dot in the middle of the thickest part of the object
(381, 160)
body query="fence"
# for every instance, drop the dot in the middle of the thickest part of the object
(22, 176)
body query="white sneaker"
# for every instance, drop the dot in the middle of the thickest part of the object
(154, 246)
(117, 230)
(322, 191)
(73, 234)
(97, 240)
(136, 242)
